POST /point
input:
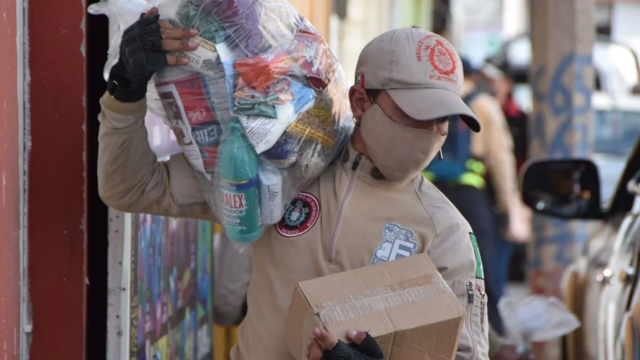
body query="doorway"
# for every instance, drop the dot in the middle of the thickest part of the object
(97, 45)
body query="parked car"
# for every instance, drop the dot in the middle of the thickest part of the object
(616, 126)
(617, 69)
(601, 287)
(616, 111)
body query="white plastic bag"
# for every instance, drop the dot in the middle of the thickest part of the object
(121, 13)
(535, 319)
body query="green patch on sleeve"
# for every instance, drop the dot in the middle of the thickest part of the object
(476, 249)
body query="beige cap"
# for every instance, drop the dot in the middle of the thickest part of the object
(420, 70)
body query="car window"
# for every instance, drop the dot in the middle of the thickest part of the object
(615, 132)
(622, 201)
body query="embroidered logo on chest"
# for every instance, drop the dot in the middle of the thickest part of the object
(397, 242)
(300, 217)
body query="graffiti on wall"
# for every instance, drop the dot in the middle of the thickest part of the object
(171, 304)
(567, 107)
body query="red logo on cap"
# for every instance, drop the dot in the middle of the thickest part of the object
(442, 56)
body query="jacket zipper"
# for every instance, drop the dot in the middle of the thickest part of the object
(469, 325)
(342, 208)
(482, 306)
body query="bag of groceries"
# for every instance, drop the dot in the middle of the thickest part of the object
(260, 110)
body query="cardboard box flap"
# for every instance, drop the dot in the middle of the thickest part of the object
(405, 304)
(373, 296)
(341, 285)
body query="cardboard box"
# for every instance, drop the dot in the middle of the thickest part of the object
(405, 304)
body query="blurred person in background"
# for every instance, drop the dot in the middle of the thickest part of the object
(498, 81)
(467, 161)
(501, 86)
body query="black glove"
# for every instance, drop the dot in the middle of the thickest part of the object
(368, 350)
(141, 55)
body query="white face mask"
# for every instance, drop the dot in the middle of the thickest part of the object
(398, 151)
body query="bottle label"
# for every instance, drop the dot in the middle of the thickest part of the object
(234, 200)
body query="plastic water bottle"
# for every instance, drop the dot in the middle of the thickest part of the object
(239, 186)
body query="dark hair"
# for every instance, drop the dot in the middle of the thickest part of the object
(373, 94)
(467, 67)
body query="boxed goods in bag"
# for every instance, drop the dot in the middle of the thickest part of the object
(260, 110)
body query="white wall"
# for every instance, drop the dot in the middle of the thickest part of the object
(476, 30)
(624, 24)
(515, 18)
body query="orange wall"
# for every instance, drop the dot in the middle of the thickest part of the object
(318, 12)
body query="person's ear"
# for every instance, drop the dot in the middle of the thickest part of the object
(359, 101)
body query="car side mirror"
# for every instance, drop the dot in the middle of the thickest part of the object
(566, 189)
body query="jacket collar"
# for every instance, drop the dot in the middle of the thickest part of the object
(351, 160)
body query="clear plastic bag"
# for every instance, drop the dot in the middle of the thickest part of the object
(261, 109)
(535, 319)
(162, 140)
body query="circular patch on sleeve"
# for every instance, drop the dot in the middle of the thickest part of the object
(300, 217)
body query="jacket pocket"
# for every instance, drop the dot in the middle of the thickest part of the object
(480, 307)
(473, 298)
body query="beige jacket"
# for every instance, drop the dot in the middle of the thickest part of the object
(494, 145)
(351, 219)
(231, 276)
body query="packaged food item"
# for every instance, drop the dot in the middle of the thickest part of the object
(283, 154)
(278, 93)
(190, 114)
(204, 58)
(313, 57)
(270, 194)
(317, 123)
(239, 19)
(260, 110)
(264, 132)
(261, 72)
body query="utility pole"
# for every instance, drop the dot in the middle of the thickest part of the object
(562, 80)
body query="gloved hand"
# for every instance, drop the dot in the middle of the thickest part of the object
(143, 51)
(326, 347)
